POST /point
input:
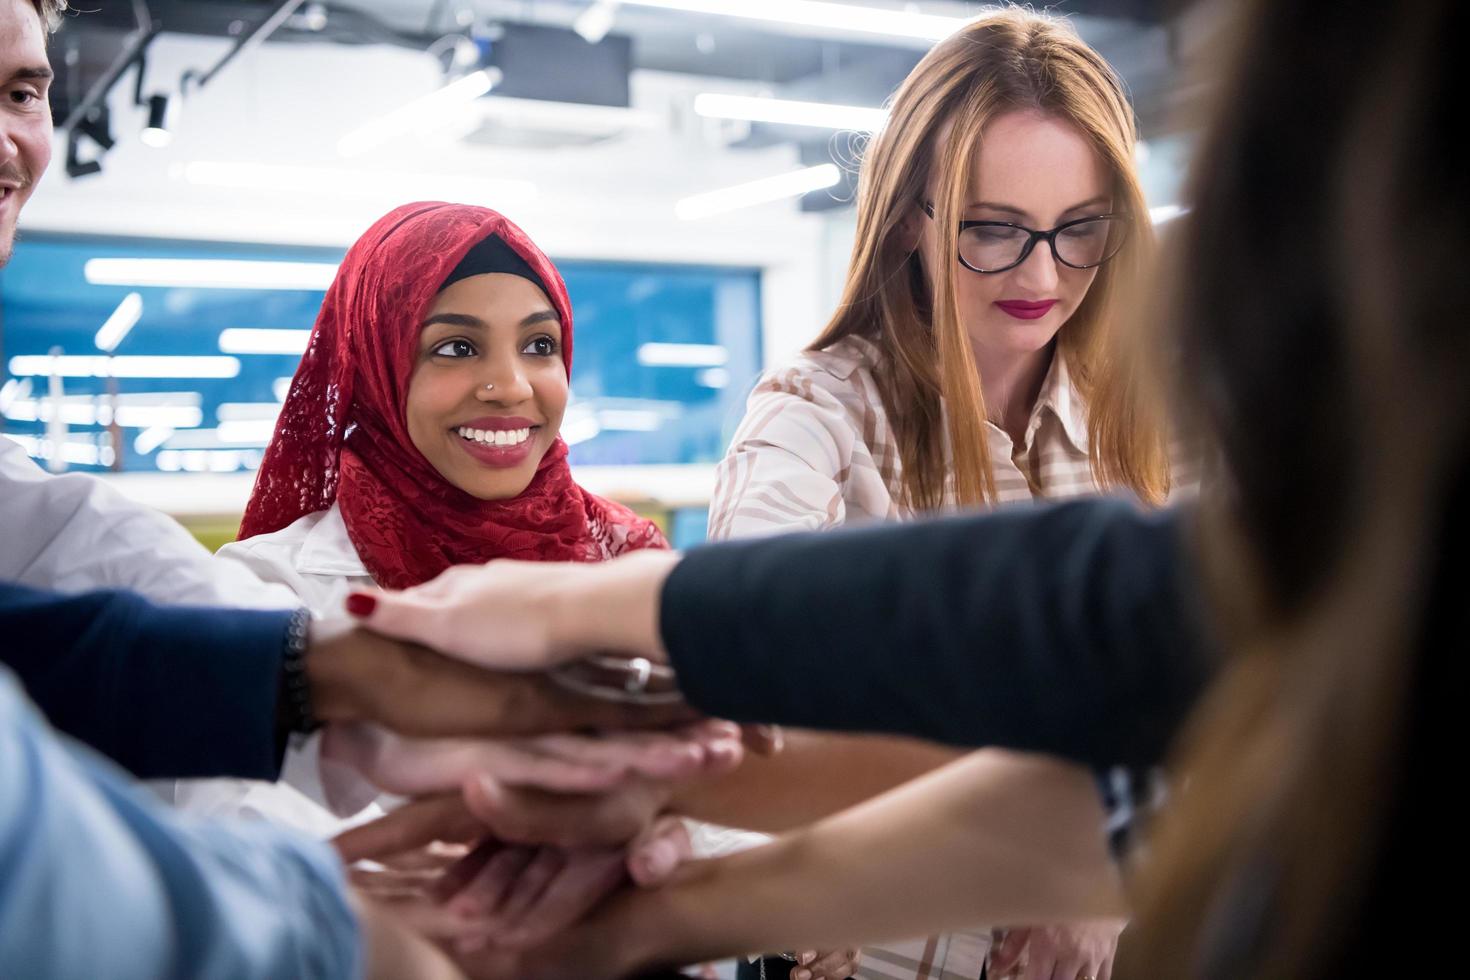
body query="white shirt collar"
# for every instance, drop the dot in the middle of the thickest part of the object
(327, 550)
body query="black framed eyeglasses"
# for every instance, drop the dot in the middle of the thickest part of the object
(998, 246)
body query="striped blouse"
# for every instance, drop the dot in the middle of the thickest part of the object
(814, 451)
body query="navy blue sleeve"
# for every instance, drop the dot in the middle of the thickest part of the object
(166, 692)
(1072, 629)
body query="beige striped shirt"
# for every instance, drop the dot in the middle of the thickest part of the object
(815, 450)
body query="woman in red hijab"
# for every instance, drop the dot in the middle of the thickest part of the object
(422, 431)
(427, 407)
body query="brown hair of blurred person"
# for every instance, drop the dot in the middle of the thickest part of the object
(1321, 315)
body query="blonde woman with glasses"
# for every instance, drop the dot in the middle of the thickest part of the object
(971, 361)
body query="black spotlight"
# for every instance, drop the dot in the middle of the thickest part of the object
(75, 165)
(97, 126)
(158, 132)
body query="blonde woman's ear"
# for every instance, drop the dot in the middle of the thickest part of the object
(911, 228)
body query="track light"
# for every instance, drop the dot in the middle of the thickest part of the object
(159, 131)
(97, 126)
(75, 165)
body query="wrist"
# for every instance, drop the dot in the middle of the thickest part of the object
(613, 607)
(330, 679)
(634, 932)
(391, 950)
(295, 713)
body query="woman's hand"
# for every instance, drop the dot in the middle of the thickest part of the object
(657, 854)
(528, 615)
(433, 863)
(816, 965)
(559, 763)
(1071, 951)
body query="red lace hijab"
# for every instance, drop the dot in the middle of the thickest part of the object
(343, 431)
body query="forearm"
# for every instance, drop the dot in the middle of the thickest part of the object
(614, 606)
(391, 951)
(165, 692)
(1070, 629)
(814, 776)
(992, 838)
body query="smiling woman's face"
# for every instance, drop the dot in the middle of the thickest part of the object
(495, 330)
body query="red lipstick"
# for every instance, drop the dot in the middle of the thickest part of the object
(1026, 310)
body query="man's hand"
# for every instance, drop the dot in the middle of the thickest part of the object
(359, 676)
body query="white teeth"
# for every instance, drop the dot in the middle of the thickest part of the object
(496, 437)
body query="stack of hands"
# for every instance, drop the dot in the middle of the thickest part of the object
(537, 813)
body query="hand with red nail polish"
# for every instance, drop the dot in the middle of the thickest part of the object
(356, 675)
(516, 615)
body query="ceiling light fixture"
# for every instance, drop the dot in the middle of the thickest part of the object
(764, 191)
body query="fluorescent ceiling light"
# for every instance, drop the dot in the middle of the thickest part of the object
(150, 439)
(131, 399)
(359, 183)
(210, 274)
(121, 323)
(630, 420)
(248, 340)
(683, 355)
(99, 366)
(98, 411)
(227, 435)
(836, 18)
(422, 115)
(777, 188)
(248, 411)
(251, 432)
(576, 118)
(581, 429)
(594, 22)
(82, 453)
(13, 390)
(145, 417)
(821, 115)
(205, 460)
(716, 377)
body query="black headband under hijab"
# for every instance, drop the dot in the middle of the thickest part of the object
(493, 255)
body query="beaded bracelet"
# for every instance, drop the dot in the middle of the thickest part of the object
(297, 689)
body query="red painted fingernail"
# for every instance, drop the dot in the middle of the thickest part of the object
(361, 605)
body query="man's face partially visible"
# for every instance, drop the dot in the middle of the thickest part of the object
(25, 115)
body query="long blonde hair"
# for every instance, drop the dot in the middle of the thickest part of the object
(1006, 60)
